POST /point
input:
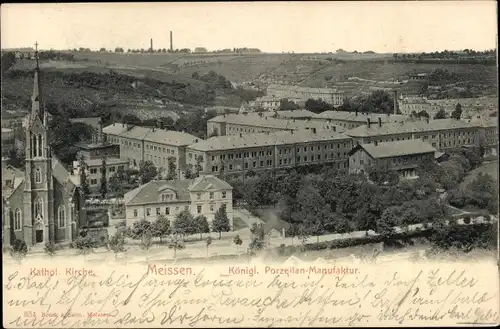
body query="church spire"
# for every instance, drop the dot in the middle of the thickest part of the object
(36, 101)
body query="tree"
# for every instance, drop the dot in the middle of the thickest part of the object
(175, 244)
(116, 186)
(117, 243)
(221, 221)
(457, 113)
(237, 241)
(84, 186)
(50, 249)
(390, 218)
(482, 192)
(258, 235)
(172, 168)
(119, 50)
(161, 227)
(85, 244)
(208, 243)
(201, 225)
(140, 228)
(441, 114)
(146, 243)
(285, 104)
(104, 181)
(183, 224)
(18, 249)
(147, 171)
(423, 114)
(102, 50)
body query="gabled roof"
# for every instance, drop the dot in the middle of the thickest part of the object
(395, 149)
(209, 182)
(149, 193)
(230, 142)
(15, 176)
(62, 175)
(361, 117)
(155, 135)
(407, 127)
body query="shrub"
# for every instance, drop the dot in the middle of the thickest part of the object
(467, 219)
(18, 249)
(50, 249)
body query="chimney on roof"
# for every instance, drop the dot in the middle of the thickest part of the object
(368, 122)
(159, 124)
(153, 128)
(375, 143)
(427, 120)
(379, 122)
(314, 130)
(356, 113)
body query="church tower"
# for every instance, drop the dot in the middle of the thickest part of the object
(38, 226)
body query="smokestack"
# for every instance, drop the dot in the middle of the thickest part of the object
(379, 122)
(368, 122)
(395, 102)
(171, 41)
(151, 44)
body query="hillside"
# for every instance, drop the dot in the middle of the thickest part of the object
(80, 88)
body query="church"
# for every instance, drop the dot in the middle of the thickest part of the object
(43, 203)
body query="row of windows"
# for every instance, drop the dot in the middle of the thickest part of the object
(18, 217)
(166, 210)
(280, 151)
(110, 169)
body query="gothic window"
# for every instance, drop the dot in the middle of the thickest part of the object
(61, 215)
(38, 207)
(40, 144)
(18, 220)
(38, 175)
(33, 146)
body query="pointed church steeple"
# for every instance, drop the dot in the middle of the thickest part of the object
(36, 98)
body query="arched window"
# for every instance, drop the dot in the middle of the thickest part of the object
(38, 207)
(40, 144)
(33, 146)
(61, 215)
(18, 220)
(38, 175)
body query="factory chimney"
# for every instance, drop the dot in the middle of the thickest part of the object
(151, 49)
(395, 102)
(171, 41)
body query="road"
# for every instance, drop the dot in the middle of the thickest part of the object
(198, 249)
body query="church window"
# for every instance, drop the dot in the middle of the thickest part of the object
(40, 143)
(38, 175)
(38, 207)
(61, 215)
(18, 220)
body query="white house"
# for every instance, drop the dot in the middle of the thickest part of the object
(201, 196)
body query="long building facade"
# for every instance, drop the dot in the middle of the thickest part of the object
(154, 144)
(302, 94)
(237, 154)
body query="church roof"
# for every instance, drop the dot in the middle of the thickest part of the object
(62, 175)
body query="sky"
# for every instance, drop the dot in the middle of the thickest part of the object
(307, 27)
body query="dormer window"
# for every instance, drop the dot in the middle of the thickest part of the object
(165, 197)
